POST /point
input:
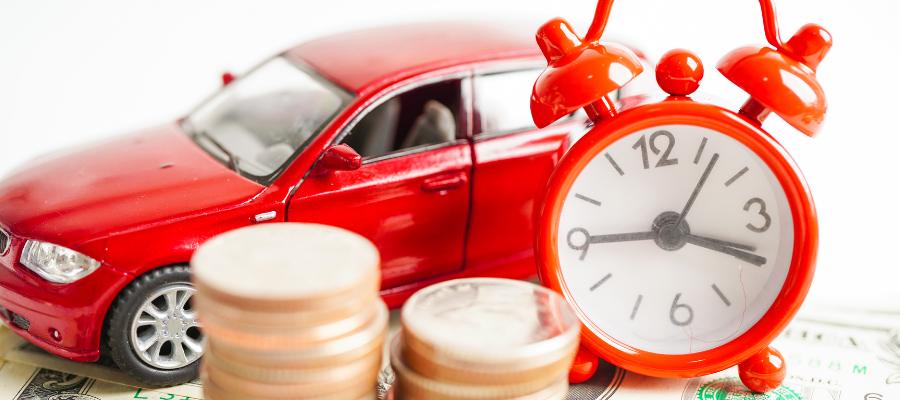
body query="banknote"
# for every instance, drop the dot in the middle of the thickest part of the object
(15, 350)
(26, 382)
(827, 359)
(830, 356)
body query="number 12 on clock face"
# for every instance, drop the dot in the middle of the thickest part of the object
(675, 239)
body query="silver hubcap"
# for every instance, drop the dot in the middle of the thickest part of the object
(165, 332)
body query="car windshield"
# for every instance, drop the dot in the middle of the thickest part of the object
(257, 124)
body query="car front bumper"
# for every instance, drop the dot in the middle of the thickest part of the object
(66, 319)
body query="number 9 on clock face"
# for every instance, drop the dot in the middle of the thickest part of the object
(675, 239)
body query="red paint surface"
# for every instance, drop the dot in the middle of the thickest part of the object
(780, 79)
(764, 371)
(579, 71)
(364, 60)
(430, 214)
(679, 72)
(584, 366)
(637, 115)
(419, 232)
(83, 193)
(509, 177)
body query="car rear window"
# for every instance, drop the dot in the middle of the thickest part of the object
(502, 101)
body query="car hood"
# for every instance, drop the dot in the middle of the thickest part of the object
(117, 184)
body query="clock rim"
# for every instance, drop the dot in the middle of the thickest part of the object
(684, 111)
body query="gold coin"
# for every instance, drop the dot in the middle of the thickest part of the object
(352, 386)
(240, 317)
(410, 384)
(271, 374)
(488, 324)
(270, 338)
(285, 266)
(341, 350)
(558, 391)
(544, 369)
(212, 391)
(369, 282)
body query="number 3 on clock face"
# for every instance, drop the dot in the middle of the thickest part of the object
(675, 239)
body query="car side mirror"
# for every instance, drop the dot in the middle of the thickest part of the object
(227, 78)
(337, 158)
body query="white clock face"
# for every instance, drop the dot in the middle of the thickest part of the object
(665, 284)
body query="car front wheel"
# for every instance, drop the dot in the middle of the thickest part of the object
(153, 332)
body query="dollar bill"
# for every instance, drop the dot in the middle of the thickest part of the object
(827, 359)
(19, 352)
(830, 356)
(26, 382)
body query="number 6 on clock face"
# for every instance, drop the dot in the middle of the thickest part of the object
(675, 239)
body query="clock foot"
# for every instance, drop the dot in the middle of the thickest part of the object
(764, 371)
(584, 366)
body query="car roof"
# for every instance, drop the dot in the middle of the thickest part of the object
(363, 60)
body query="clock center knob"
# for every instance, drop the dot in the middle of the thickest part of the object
(668, 236)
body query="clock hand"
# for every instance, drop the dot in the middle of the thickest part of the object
(622, 237)
(741, 255)
(726, 243)
(616, 237)
(687, 207)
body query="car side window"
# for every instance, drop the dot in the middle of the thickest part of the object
(420, 117)
(502, 101)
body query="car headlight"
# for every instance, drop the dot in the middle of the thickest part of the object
(56, 263)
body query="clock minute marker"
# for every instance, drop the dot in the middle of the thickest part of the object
(600, 282)
(636, 305)
(700, 151)
(736, 176)
(616, 166)
(721, 295)
(587, 199)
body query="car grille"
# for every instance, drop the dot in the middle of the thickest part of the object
(15, 319)
(19, 321)
(4, 241)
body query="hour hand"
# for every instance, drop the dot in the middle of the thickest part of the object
(615, 237)
(739, 254)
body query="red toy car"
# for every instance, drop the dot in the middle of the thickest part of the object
(419, 138)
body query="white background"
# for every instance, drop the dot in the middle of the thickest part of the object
(72, 72)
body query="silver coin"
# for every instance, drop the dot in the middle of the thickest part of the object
(490, 321)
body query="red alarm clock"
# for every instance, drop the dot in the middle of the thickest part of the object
(682, 233)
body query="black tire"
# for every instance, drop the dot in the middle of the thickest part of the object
(130, 304)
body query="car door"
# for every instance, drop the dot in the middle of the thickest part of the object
(513, 161)
(411, 194)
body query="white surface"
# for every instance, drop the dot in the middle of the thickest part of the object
(73, 72)
(632, 201)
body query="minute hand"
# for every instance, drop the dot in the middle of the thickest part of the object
(741, 255)
(687, 207)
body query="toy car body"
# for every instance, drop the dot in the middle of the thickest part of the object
(451, 168)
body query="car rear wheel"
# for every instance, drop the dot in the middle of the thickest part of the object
(153, 332)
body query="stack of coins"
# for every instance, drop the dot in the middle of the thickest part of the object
(484, 338)
(290, 311)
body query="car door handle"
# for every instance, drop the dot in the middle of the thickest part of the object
(444, 182)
